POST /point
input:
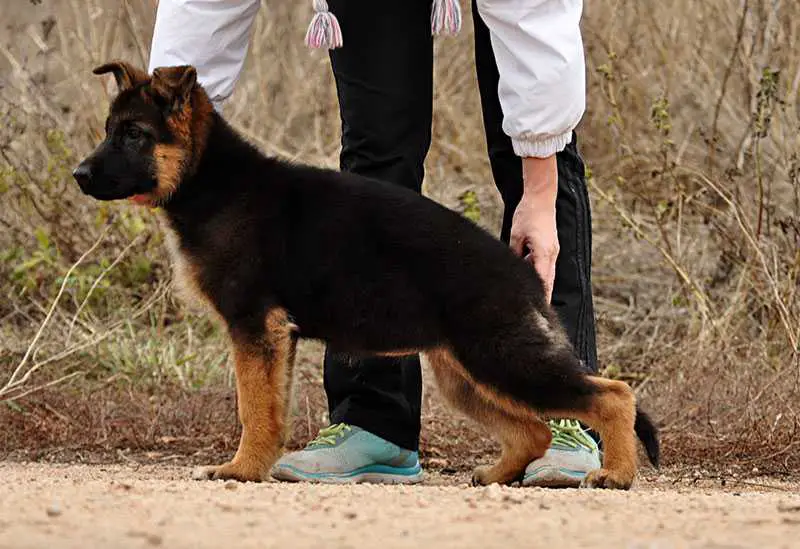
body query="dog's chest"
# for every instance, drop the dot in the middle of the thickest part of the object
(185, 272)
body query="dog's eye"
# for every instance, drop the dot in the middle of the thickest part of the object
(132, 132)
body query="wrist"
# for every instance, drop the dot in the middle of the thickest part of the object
(540, 177)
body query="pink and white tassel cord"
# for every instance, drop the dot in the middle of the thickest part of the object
(324, 30)
(445, 17)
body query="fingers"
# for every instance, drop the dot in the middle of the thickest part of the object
(545, 265)
(542, 259)
(517, 243)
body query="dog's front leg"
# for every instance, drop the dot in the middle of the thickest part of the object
(261, 368)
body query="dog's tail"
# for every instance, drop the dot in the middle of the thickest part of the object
(648, 434)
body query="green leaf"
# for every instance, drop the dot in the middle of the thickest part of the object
(14, 406)
(470, 206)
(42, 238)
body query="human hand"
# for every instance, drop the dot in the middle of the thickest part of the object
(533, 226)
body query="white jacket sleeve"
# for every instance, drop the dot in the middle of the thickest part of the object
(212, 35)
(540, 58)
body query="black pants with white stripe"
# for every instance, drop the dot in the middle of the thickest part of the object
(384, 80)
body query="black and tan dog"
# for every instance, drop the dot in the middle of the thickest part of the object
(281, 251)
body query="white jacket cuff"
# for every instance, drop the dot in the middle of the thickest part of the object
(541, 147)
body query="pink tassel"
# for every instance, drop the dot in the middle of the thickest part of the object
(324, 30)
(445, 17)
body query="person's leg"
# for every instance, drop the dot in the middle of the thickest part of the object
(384, 81)
(572, 291)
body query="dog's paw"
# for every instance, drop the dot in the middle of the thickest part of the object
(605, 478)
(229, 471)
(482, 476)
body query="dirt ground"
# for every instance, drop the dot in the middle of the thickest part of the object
(82, 506)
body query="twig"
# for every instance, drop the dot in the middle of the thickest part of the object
(78, 347)
(96, 282)
(712, 143)
(62, 379)
(135, 34)
(784, 313)
(35, 340)
(705, 306)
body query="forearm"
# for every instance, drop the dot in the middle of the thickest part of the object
(211, 35)
(540, 59)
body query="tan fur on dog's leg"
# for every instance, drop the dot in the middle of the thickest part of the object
(612, 414)
(289, 391)
(522, 442)
(615, 407)
(261, 384)
(523, 439)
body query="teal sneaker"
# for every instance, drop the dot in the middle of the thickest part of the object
(345, 454)
(572, 454)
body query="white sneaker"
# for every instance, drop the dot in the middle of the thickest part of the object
(572, 454)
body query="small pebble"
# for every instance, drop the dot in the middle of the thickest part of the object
(492, 491)
(152, 539)
(54, 510)
(231, 485)
(513, 498)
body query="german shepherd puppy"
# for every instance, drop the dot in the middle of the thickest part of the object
(280, 251)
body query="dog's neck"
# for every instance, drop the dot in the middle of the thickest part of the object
(217, 150)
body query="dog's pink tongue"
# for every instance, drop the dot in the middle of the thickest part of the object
(141, 199)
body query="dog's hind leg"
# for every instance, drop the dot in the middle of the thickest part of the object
(612, 413)
(261, 368)
(522, 435)
(609, 408)
(531, 368)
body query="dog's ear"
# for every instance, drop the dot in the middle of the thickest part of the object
(127, 76)
(174, 85)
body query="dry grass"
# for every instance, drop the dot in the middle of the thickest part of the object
(692, 139)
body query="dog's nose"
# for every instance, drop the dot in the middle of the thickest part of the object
(83, 175)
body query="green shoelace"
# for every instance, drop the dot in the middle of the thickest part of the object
(568, 432)
(328, 436)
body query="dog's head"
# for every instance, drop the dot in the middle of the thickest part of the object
(154, 135)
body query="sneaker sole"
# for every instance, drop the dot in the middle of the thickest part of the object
(366, 475)
(554, 477)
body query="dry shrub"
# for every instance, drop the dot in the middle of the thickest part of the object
(691, 136)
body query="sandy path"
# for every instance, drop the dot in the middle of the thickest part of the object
(74, 506)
